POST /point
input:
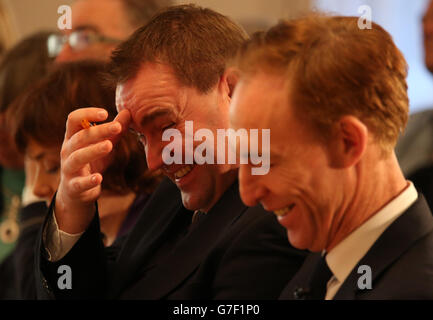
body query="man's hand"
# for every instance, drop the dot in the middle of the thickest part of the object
(85, 154)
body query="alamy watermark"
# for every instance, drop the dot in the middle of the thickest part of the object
(65, 20)
(364, 21)
(205, 152)
(65, 280)
(365, 280)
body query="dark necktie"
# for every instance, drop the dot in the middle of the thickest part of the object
(197, 216)
(319, 280)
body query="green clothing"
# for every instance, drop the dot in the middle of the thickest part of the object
(11, 186)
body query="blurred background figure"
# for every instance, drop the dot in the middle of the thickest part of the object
(38, 119)
(400, 17)
(20, 67)
(106, 15)
(98, 26)
(7, 34)
(415, 148)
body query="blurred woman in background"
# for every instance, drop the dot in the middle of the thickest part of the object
(39, 120)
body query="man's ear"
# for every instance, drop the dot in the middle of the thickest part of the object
(228, 81)
(348, 142)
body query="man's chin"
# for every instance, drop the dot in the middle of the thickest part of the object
(188, 201)
(298, 241)
(193, 201)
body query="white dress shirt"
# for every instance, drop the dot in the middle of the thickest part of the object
(346, 255)
(57, 242)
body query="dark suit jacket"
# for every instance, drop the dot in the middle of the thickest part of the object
(423, 181)
(401, 261)
(234, 252)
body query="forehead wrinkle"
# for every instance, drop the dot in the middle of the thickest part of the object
(119, 97)
(146, 107)
(152, 87)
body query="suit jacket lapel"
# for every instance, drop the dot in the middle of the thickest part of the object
(412, 225)
(190, 252)
(299, 287)
(162, 212)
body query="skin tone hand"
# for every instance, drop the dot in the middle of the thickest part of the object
(85, 154)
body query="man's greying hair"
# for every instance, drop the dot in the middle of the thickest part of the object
(195, 42)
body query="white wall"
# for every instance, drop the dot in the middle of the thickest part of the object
(34, 15)
(402, 19)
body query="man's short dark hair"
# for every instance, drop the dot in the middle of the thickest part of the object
(195, 42)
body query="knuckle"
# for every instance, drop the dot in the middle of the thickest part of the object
(73, 158)
(75, 186)
(79, 139)
(70, 117)
(63, 152)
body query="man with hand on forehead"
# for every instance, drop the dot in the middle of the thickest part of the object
(199, 243)
(336, 102)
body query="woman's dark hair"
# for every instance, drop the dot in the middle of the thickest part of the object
(41, 113)
(21, 66)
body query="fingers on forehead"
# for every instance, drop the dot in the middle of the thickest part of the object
(124, 117)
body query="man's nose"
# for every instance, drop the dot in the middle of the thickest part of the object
(249, 187)
(154, 155)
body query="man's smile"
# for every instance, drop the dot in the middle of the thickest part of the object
(183, 172)
(284, 211)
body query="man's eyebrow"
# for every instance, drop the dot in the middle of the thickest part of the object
(154, 114)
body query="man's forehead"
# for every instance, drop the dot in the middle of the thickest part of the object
(120, 100)
(153, 83)
(126, 93)
(144, 105)
(257, 98)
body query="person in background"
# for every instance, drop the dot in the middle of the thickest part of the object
(7, 30)
(38, 122)
(334, 182)
(98, 26)
(22, 66)
(415, 147)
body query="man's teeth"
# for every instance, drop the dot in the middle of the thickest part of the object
(182, 172)
(282, 212)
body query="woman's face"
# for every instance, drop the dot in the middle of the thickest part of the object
(42, 166)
